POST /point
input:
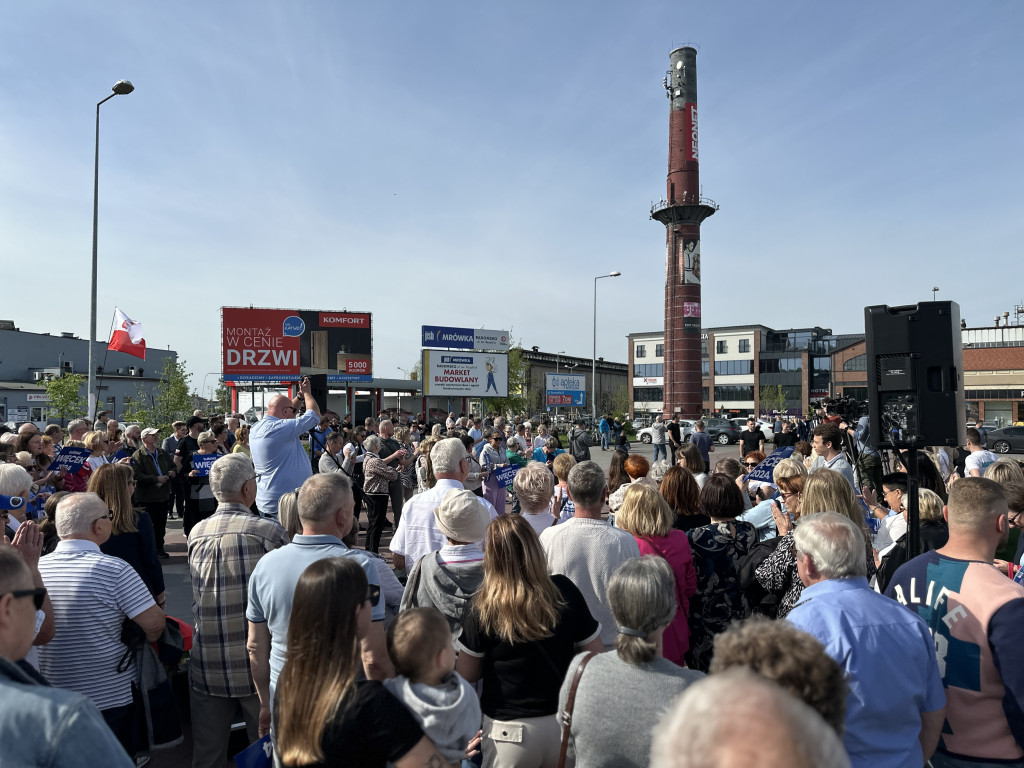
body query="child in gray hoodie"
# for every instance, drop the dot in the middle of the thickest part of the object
(444, 704)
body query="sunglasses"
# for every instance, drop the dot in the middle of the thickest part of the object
(750, 463)
(37, 595)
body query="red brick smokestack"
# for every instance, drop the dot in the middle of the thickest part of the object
(681, 212)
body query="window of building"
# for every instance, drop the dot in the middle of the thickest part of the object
(734, 367)
(744, 345)
(722, 347)
(778, 365)
(648, 370)
(704, 346)
(858, 363)
(641, 350)
(704, 393)
(648, 394)
(705, 369)
(659, 350)
(734, 393)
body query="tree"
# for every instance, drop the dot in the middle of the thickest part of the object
(167, 402)
(517, 401)
(414, 372)
(67, 400)
(773, 399)
(619, 401)
(222, 396)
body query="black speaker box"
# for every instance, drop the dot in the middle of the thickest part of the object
(915, 374)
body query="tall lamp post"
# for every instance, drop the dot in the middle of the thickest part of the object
(556, 373)
(935, 290)
(121, 88)
(400, 394)
(593, 360)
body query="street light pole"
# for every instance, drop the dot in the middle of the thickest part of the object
(121, 88)
(400, 394)
(593, 360)
(556, 373)
(935, 290)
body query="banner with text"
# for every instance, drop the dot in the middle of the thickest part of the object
(201, 462)
(506, 475)
(70, 459)
(464, 338)
(568, 389)
(275, 345)
(763, 471)
(465, 374)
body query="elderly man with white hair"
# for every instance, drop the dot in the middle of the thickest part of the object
(775, 730)
(417, 532)
(92, 595)
(223, 550)
(896, 704)
(282, 464)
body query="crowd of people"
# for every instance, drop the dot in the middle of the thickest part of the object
(535, 610)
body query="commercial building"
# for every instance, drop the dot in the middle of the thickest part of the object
(612, 380)
(737, 361)
(28, 359)
(994, 372)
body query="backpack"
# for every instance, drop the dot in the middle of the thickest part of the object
(759, 599)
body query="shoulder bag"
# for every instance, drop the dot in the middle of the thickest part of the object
(566, 717)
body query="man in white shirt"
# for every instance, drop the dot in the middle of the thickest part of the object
(978, 459)
(588, 550)
(417, 532)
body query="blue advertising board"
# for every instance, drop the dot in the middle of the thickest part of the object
(445, 337)
(565, 389)
(201, 462)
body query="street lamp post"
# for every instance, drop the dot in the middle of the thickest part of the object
(593, 360)
(400, 394)
(556, 373)
(121, 88)
(935, 290)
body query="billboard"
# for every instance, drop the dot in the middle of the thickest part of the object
(273, 345)
(568, 389)
(465, 374)
(464, 338)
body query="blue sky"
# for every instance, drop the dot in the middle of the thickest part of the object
(477, 164)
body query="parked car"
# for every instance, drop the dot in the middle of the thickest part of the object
(722, 431)
(646, 435)
(1006, 439)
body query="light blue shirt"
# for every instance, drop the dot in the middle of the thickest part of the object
(280, 460)
(761, 518)
(272, 588)
(889, 656)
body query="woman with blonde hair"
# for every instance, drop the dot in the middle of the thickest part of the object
(132, 537)
(288, 513)
(1004, 471)
(425, 479)
(646, 515)
(822, 491)
(242, 441)
(323, 713)
(520, 633)
(534, 485)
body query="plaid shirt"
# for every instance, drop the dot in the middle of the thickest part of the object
(222, 552)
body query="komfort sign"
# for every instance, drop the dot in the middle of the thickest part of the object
(274, 345)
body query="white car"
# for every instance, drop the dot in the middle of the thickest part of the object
(647, 435)
(766, 429)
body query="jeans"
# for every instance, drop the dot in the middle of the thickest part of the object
(661, 448)
(605, 440)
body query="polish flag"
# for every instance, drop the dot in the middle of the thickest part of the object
(127, 336)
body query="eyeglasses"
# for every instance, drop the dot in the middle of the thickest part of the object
(1013, 518)
(207, 442)
(38, 595)
(108, 516)
(255, 477)
(786, 495)
(373, 594)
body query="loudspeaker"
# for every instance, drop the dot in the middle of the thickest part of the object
(915, 375)
(318, 386)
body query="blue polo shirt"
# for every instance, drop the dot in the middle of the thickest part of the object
(280, 460)
(889, 656)
(272, 588)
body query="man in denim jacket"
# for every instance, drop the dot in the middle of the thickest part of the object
(40, 725)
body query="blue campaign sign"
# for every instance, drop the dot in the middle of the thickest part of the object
(70, 459)
(506, 475)
(117, 456)
(259, 754)
(763, 471)
(201, 462)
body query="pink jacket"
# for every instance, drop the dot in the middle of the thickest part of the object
(675, 548)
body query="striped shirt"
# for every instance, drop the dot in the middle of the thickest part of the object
(222, 553)
(92, 594)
